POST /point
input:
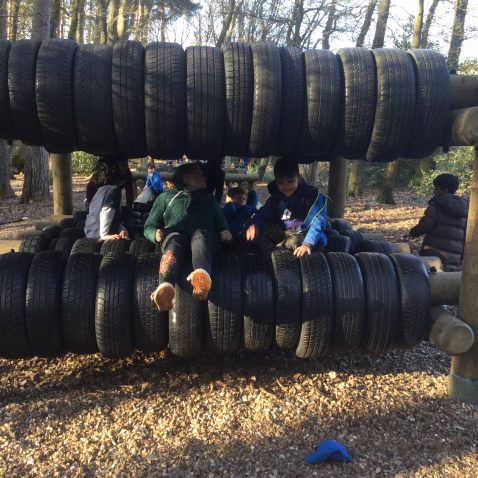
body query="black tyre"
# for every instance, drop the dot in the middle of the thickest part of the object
(128, 98)
(78, 300)
(64, 245)
(21, 87)
(150, 327)
(86, 245)
(67, 222)
(432, 103)
(258, 302)
(239, 77)
(50, 232)
(72, 233)
(382, 299)
(339, 244)
(54, 94)
(395, 109)
(371, 245)
(34, 243)
(115, 245)
(42, 304)
(317, 307)
(349, 302)
(360, 84)
(13, 282)
(324, 99)
(93, 100)
(186, 322)
(114, 305)
(165, 99)
(141, 246)
(355, 237)
(79, 217)
(340, 225)
(267, 98)
(206, 101)
(293, 99)
(6, 122)
(414, 322)
(224, 319)
(288, 299)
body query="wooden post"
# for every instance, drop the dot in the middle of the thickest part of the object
(62, 183)
(336, 189)
(445, 287)
(464, 369)
(463, 91)
(462, 127)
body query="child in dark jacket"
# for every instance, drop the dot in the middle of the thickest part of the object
(295, 214)
(236, 211)
(183, 218)
(444, 223)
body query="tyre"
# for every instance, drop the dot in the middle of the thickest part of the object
(266, 106)
(340, 225)
(206, 102)
(63, 245)
(239, 81)
(224, 315)
(317, 307)
(382, 299)
(50, 232)
(288, 299)
(141, 246)
(128, 98)
(339, 244)
(77, 307)
(349, 302)
(432, 103)
(186, 322)
(293, 98)
(258, 302)
(67, 222)
(355, 237)
(115, 245)
(371, 245)
(323, 102)
(54, 94)
(13, 282)
(150, 327)
(6, 122)
(414, 320)
(92, 99)
(72, 233)
(395, 109)
(114, 305)
(34, 243)
(165, 99)
(79, 217)
(21, 88)
(360, 85)
(42, 304)
(86, 244)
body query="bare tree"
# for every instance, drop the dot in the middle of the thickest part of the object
(366, 23)
(381, 28)
(457, 34)
(101, 23)
(418, 25)
(428, 23)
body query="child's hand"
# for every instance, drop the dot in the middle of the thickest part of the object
(112, 237)
(158, 236)
(302, 250)
(226, 235)
(251, 232)
(123, 234)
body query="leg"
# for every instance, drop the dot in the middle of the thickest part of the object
(202, 245)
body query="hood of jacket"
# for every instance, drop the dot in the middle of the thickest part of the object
(451, 204)
(303, 189)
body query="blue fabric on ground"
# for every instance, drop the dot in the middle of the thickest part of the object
(328, 450)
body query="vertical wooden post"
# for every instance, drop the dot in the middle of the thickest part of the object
(336, 189)
(60, 165)
(463, 382)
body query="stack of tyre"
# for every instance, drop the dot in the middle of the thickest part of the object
(205, 102)
(84, 303)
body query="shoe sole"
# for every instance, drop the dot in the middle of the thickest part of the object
(164, 298)
(201, 285)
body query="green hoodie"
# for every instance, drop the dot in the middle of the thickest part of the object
(183, 211)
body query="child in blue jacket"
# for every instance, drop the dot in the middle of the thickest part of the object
(236, 212)
(153, 180)
(295, 215)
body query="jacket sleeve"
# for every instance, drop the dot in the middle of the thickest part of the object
(315, 233)
(229, 212)
(155, 219)
(149, 182)
(426, 223)
(219, 219)
(157, 185)
(263, 215)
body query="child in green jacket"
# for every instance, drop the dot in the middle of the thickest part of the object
(182, 218)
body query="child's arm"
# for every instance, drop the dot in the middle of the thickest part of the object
(426, 223)
(218, 216)
(229, 212)
(157, 183)
(155, 219)
(315, 232)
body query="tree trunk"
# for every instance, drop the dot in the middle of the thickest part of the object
(418, 25)
(457, 34)
(6, 190)
(385, 195)
(227, 23)
(336, 189)
(366, 23)
(112, 22)
(261, 169)
(123, 15)
(329, 26)
(55, 19)
(15, 12)
(101, 25)
(428, 23)
(62, 183)
(382, 19)
(73, 19)
(80, 29)
(355, 184)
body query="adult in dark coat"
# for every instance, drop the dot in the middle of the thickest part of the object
(444, 223)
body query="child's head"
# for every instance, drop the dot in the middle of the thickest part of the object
(189, 176)
(446, 183)
(237, 195)
(151, 168)
(286, 174)
(104, 174)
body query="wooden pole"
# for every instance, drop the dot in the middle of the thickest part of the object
(445, 287)
(336, 189)
(462, 129)
(463, 91)
(60, 165)
(463, 382)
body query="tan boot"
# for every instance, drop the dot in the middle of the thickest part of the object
(201, 282)
(163, 296)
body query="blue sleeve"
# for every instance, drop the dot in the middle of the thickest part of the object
(149, 182)
(157, 185)
(229, 212)
(315, 233)
(263, 215)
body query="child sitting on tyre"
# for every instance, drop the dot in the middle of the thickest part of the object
(295, 215)
(237, 212)
(184, 219)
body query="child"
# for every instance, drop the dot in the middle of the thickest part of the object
(183, 218)
(295, 214)
(153, 180)
(236, 211)
(444, 223)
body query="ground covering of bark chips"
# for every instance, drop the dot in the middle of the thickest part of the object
(247, 415)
